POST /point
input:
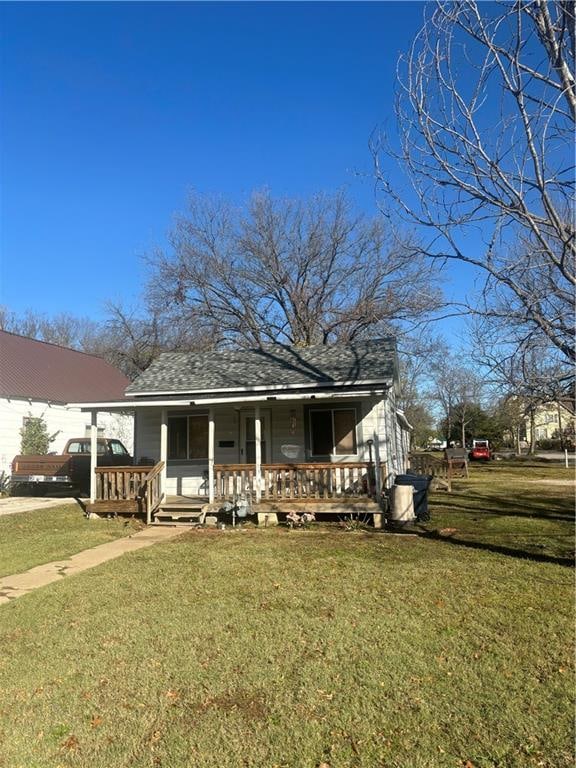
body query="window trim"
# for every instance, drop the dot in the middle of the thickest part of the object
(188, 415)
(310, 409)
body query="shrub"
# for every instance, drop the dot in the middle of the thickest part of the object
(35, 436)
(549, 445)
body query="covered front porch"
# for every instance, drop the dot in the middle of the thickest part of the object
(138, 490)
(273, 453)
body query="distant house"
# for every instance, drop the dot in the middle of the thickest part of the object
(38, 379)
(550, 421)
(279, 425)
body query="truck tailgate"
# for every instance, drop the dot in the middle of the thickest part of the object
(40, 466)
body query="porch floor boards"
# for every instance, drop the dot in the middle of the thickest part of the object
(184, 501)
(193, 509)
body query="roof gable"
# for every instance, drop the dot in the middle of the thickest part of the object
(274, 367)
(41, 371)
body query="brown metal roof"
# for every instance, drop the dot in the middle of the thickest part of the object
(41, 371)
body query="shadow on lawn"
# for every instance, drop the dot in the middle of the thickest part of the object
(523, 554)
(514, 509)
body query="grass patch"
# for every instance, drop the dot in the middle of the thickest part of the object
(523, 510)
(41, 536)
(270, 648)
(289, 649)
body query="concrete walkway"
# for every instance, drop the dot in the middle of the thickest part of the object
(13, 504)
(20, 584)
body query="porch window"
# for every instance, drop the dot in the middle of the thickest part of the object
(333, 432)
(188, 437)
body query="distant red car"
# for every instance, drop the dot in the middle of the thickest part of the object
(480, 451)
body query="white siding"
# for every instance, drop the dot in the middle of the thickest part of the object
(186, 478)
(388, 430)
(283, 439)
(287, 424)
(373, 428)
(147, 435)
(394, 455)
(226, 429)
(67, 423)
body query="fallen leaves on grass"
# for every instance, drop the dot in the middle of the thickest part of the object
(71, 744)
(325, 694)
(251, 704)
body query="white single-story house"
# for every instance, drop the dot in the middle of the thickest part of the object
(38, 379)
(280, 424)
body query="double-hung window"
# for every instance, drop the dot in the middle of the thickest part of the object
(188, 437)
(332, 432)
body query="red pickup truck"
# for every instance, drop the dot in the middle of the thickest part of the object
(69, 471)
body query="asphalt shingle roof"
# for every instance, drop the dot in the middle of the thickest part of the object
(41, 371)
(273, 367)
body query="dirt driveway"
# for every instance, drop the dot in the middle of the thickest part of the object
(13, 504)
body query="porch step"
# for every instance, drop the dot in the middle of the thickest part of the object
(168, 514)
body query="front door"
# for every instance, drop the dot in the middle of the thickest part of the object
(248, 438)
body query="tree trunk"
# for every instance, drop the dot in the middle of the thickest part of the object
(532, 449)
(560, 433)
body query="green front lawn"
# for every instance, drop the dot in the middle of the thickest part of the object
(296, 649)
(526, 510)
(33, 538)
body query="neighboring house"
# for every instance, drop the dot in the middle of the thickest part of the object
(38, 379)
(550, 421)
(277, 424)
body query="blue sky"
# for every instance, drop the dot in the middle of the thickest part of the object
(111, 112)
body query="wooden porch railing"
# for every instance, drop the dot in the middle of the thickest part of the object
(138, 486)
(152, 490)
(292, 481)
(120, 483)
(440, 469)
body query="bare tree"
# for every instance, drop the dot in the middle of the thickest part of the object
(131, 339)
(486, 110)
(524, 381)
(63, 329)
(128, 338)
(458, 389)
(511, 414)
(288, 271)
(539, 374)
(418, 355)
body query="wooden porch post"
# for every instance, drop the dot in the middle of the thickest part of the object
(258, 441)
(211, 432)
(377, 475)
(93, 453)
(164, 451)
